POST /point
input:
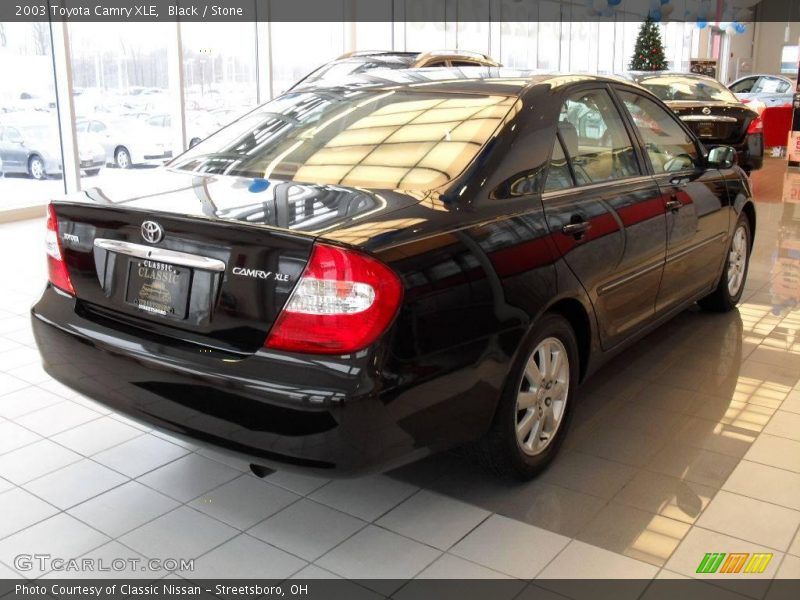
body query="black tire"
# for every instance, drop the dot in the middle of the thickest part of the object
(36, 168)
(501, 451)
(92, 172)
(722, 299)
(122, 158)
(194, 141)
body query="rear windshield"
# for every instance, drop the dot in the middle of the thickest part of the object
(389, 139)
(688, 88)
(337, 70)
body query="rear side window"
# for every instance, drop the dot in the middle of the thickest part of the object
(595, 138)
(667, 144)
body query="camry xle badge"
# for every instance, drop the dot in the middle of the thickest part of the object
(152, 232)
(259, 274)
(706, 111)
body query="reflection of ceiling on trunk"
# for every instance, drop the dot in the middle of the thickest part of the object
(418, 143)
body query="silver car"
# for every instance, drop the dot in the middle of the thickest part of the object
(770, 90)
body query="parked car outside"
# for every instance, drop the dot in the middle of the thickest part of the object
(127, 142)
(355, 276)
(29, 146)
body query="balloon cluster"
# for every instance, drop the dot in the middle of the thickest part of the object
(702, 12)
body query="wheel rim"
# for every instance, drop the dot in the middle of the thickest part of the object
(737, 260)
(542, 396)
(122, 159)
(37, 168)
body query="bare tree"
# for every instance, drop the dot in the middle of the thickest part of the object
(3, 38)
(40, 34)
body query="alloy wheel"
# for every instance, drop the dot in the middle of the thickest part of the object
(37, 168)
(542, 396)
(123, 159)
(737, 260)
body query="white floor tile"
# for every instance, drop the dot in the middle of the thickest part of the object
(245, 501)
(34, 460)
(75, 483)
(140, 455)
(764, 483)
(584, 561)
(57, 418)
(188, 477)
(60, 536)
(433, 519)
(511, 547)
(13, 436)
(124, 508)
(182, 533)
(307, 529)
(26, 400)
(245, 557)
(96, 436)
(364, 497)
(21, 509)
(379, 555)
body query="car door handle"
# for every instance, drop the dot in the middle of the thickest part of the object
(674, 204)
(576, 229)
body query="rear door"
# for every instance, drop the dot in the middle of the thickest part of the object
(609, 221)
(695, 198)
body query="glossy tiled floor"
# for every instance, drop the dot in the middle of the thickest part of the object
(686, 444)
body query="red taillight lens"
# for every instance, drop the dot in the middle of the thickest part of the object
(56, 267)
(343, 302)
(756, 126)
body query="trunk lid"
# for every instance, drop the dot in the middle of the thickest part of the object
(715, 122)
(229, 253)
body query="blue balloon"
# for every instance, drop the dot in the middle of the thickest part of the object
(663, 2)
(701, 24)
(740, 27)
(655, 15)
(258, 185)
(614, 2)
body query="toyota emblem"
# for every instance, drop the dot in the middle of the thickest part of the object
(706, 111)
(152, 232)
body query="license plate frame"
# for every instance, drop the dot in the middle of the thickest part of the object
(706, 130)
(158, 289)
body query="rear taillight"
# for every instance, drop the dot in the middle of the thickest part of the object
(56, 267)
(343, 302)
(756, 126)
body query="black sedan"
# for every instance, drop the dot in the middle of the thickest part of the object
(350, 278)
(712, 112)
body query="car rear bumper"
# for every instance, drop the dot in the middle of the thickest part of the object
(276, 410)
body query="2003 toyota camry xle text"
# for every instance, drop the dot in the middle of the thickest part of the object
(355, 275)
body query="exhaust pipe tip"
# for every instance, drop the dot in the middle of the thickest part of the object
(261, 471)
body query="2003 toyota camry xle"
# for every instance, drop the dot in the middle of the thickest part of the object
(354, 276)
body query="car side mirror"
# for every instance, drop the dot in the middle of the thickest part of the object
(721, 157)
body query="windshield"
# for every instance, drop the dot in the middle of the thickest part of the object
(688, 88)
(393, 139)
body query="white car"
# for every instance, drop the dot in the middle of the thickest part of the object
(128, 142)
(769, 90)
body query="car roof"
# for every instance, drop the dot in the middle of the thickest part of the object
(637, 76)
(784, 77)
(481, 80)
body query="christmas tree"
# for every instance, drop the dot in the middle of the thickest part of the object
(649, 52)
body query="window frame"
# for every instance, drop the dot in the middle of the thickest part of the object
(701, 151)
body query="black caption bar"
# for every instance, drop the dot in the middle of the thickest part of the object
(701, 12)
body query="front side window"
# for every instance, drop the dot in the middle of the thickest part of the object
(745, 86)
(390, 139)
(595, 138)
(668, 146)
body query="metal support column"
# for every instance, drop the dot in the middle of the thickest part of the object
(65, 105)
(176, 90)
